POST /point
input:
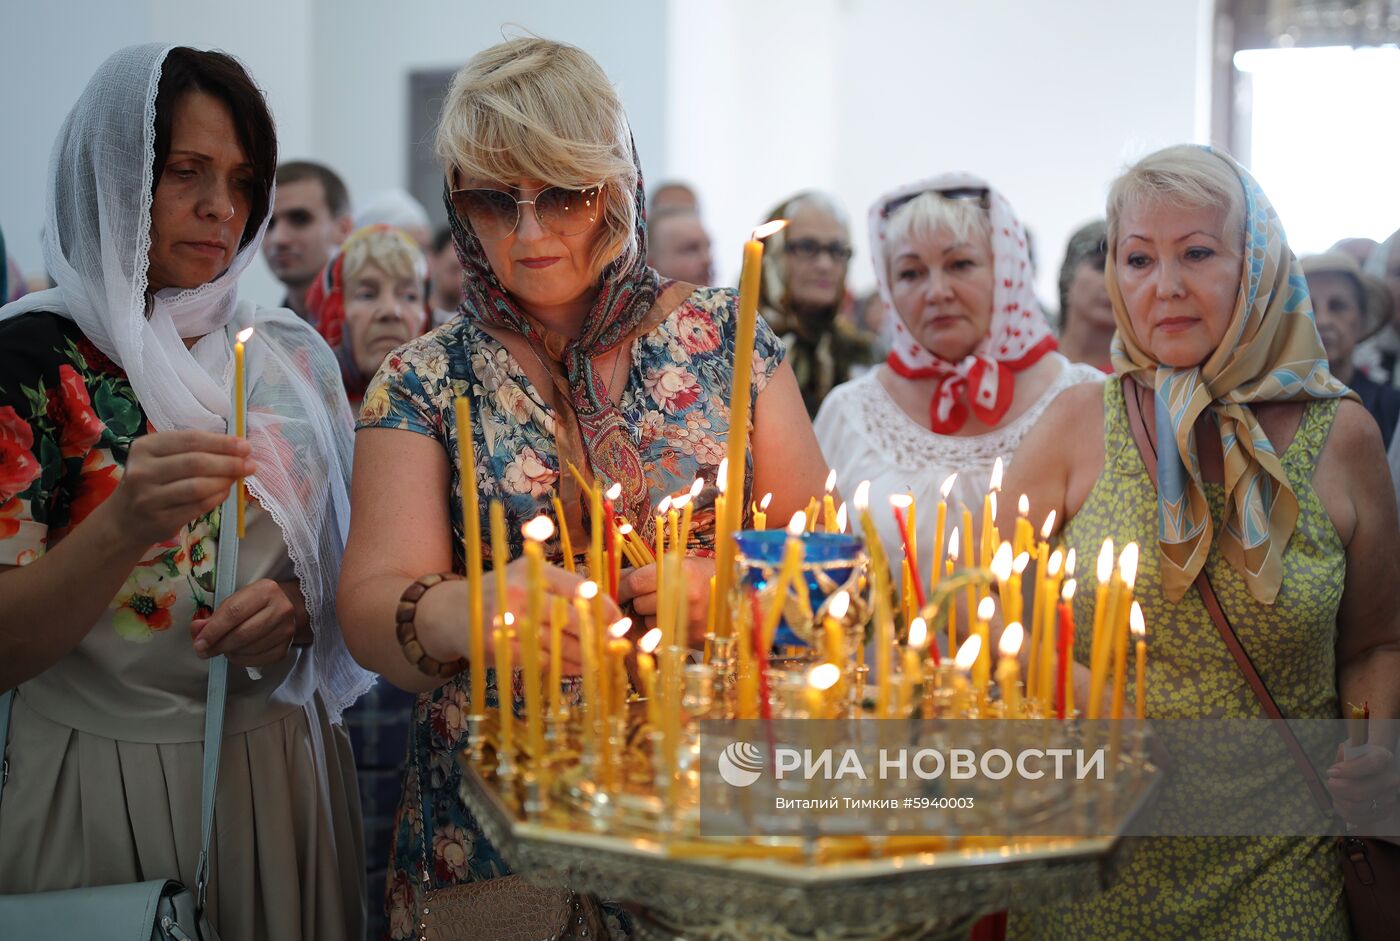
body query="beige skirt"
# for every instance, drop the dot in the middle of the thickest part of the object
(288, 850)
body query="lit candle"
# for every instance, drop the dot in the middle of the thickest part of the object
(663, 508)
(1023, 539)
(940, 520)
(1009, 669)
(968, 655)
(899, 503)
(566, 544)
(583, 608)
(597, 562)
(558, 614)
(841, 517)
(829, 503)
(537, 532)
(1002, 563)
(618, 649)
(1018, 567)
(989, 514)
(1044, 654)
(822, 682)
(834, 632)
(610, 536)
(760, 516)
(646, 670)
(746, 681)
(505, 689)
(1064, 688)
(1127, 567)
(1139, 628)
(970, 560)
(788, 574)
(687, 511)
(952, 597)
(982, 669)
(240, 414)
(1098, 649)
(471, 551)
(738, 435)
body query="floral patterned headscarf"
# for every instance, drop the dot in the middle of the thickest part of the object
(1270, 353)
(984, 382)
(589, 425)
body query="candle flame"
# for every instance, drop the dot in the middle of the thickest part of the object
(1002, 562)
(763, 504)
(664, 506)
(508, 619)
(768, 228)
(588, 591)
(823, 676)
(995, 485)
(1128, 563)
(1057, 559)
(649, 640)
(918, 633)
(830, 481)
(696, 485)
(946, 487)
(986, 608)
(613, 492)
(538, 529)
(1070, 559)
(722, 475)
(1011, 639)
(1067, 592)
(840, 603)
(620, 627)
(861, 498)
(1048, 526)
(1105, 567)
(901, 501)
(968, 653)
(841, 517)
(679, 503)
(1021, 562)
(798, 524)
(1023, 505)
(244, 335)
(1136, 623)
(624, 529)
(953, 544)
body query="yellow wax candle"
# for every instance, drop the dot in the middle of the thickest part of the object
(829, 504)
(810, 516)
(471, 551)
(989, 515)
(912, 673)
(673, 520)
(970, 560)
(746, 692)
(240, 416)
(788, 574)
(1127, 567)
(1140, 689)
(537, 532)
(736, 445)
(1009, 669)
(597, 564)
(618, 649)
(884, 659)
(967, 656)
(505, 688)
(908, 603)
(950, 565)
(566, 543)
(1045, 657)
(834, 636)
(822, 682)
(760, 516)
(662, 509)
(1001, 565)
(940, 520)
(583, 609)
(687, 511)
(558, 614)
(646, 671)
(982, 669)
(500, 554)
(1105, 617)
(1024, 539)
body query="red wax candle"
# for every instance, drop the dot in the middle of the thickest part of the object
(1062, 647)
(907, 538)
(610, 546)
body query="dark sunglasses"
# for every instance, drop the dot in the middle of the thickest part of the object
(978, 194)
(494, 214)
(810, 249)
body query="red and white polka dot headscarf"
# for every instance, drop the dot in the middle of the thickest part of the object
(982, 384)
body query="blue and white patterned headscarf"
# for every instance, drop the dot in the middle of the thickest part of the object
(1270, 353)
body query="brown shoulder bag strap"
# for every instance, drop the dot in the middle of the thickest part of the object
(1137, 422)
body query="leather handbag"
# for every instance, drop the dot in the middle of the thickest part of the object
(1370, 866)
(159, 909)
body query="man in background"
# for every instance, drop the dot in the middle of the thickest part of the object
(678, 246)
(310, 217)
(444, 278)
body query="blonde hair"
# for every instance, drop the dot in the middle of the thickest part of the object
(389, 249)
(928, 213)
(1185, 176)
(531, 108)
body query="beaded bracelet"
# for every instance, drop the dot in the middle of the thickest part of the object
(408, 633)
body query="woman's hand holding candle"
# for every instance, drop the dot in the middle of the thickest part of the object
(638, 586)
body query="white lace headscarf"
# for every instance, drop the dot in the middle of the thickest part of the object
(97, 236)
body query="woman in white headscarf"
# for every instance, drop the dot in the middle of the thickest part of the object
(114, 457)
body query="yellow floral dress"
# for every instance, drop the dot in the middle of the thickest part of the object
(1217, 887)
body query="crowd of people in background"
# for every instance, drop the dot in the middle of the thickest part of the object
(379, 298)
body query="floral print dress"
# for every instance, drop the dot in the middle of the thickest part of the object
(676, 401)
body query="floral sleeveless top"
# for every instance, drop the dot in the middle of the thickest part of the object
(676, 401)
(1217, 887)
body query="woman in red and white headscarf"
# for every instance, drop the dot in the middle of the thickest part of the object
(972, 362)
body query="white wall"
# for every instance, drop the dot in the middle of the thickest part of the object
(1045, 100)
(751, 101)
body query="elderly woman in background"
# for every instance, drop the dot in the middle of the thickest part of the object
(113, 462)
(369, 300)
(571, 350)
(1379, 357)
(972, 364)
(1350, 306)
(1086, 315)
(1273, 483)
(804, 291)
